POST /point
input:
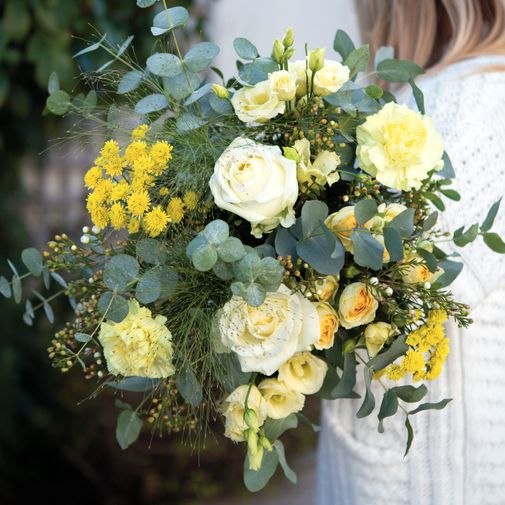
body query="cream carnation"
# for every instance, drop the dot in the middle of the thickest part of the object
(264, 337)
(257, 183)
(399, 147)
(139, 345)
(257, 104)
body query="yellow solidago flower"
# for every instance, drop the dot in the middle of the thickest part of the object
(191, 200)
(161, 153)
(155, 222)
(140, 345)
(164, 191)
(175, 210)
(395, 372)
(92, 177)
(140, 132)
(110, 158)
(118, 217)
(104, 188)
(133, 225)
(110, 149)
(413, 361)
(135, 150)
(138, 203)
(99, 216)
(119, 191)
(143, 165)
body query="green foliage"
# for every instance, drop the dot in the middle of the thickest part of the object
(410, 394)
(113, 307)
(33, 261)
(281, 454)
(368, 252)
(199, 57)
(364, 210)
(120, 271)
(256, 480)
(494, 242)
(488, 222)
(245, 49)
(188, 386)
(388, 407)
(431, 406)
(274, 428)
(128, 427)
(357, 60)
(393, 70)
(385, 358)
(343, 44)
(393, 243)
(369, 401)
(383, 53)
(168, 20)
(164, 64)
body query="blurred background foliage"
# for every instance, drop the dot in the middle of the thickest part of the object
(54, 449)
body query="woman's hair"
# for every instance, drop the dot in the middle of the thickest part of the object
(434, 33)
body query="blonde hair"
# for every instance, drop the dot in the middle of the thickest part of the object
(435, 33)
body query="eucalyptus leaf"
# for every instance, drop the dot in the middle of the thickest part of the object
(393, 70)
(182, 85)
(113, 307)
(435, 200)
(274, 428)
(494, 242)
(49, 312)
(288, 471)
(199, 57)
(393, 243)
(418, 96)
(231, 250)
(368, 252)
(59, 279)
(430, 221)
(382, 360)
(188, 386)
(488, 222)
(130, 82)
(204, 258)
(151, 103)
(17, 289)
(245, 49)
(5, 287)
(388, 408)
(90, 48)
(410, 435)
(58, 102)
(344, 388)
(216, 232)
(404, 223)
(82, 337)
(164, 64)
(447, 170)
(145, 3)
(431, 406)
(369, 402)
(187, 121)
(364, 210)
(151, 251)
(357, 60)
(128, 428)
(148, 288)
(429, 259)
(33, 261)
(169, 19)
(383, 53)
(54, 83)
(410, 394)
(343, 44)
(256, 480)
(135, 384)
(451, 270)
(120, 271)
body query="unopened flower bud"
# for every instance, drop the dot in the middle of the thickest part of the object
(220, 91)
(427, 285)
(96, 229)
(316, 59)
(251, 419)
(85, 239)
(349, 346)
(265, 443)
(278, 51)
(85, 229)
(288, 38)
(388, 291)
(374, 281)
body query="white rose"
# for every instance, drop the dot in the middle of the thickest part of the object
(304, 372)
(330, 78)
(323, 170)
(257, 104)
(257, 183)
(302, 74)
(264, 337)
(234, 407)
(376, 335)
(281, 401)
(283, 83)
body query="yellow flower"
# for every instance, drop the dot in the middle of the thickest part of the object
(304, 373)
(161, 153)
(326, 287)
(143, 165)
(118, 217)
(399, 147)
(175, 210)
(328, 323)
(140, 345)
(133, 225)
(103, 189)
(191, 200)
(283, 83)
(257, 104)
(141, 181)
(92, 177)
(163, 191)
(138, 203)
(417, 272)
(357, 305)
(413, 361)
(110, 149)
(99, 216)
(110, 158)
(119, 191)
(140, 132)
(280, 400)
(135, 150)
(330, 78)
(395, 372)
(155, 222)
(342, 223)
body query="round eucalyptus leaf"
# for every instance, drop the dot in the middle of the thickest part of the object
(223, 270)
(195, 244)
(168, 280)
(120, 271)
(32, 260)
(113, 307)
(248, 268)
(151, 103)
(178, 86)
(205, 257)
(231, 250)
(216, 231)
(129, 82)
(168, 19)
(254, 295)
(58, 102)
(148, 288)
(245, 49)
(164, 64)
(199, 57)
(151, 251)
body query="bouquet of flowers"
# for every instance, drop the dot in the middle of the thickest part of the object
(255, 241)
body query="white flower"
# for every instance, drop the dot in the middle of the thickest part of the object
(302, 74)
(257, 183)
(264, 337)
(234, 407)
(323, 170)
(258, 103)
(304, 372)
(283, 83)
(376, 335)
(330, 78)
(281, 401)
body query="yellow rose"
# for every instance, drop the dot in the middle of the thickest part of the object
(342, 223)
(256, 182)
(323, 170)
(330, 78)
(376, 335)
(302, 75)
(326, 287)
(234, 407)
(418, 272)
(264, 337)
(283, 83)
(399, 147)
(304, 372)
(257, 104)
(281, 401)
(328, 321)
(139, 345)
(356, 306)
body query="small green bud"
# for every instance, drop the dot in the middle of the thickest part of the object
(288, 54)
(288, 38)
(278, 51)
(220, 91)
(351, 271)
(348, 346)
(251, 419)
(265, 443)
(316, 59)
(291, 154)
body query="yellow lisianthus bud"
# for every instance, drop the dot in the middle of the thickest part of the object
(254, 450)
(251, 419)
(220, 91)
(288, 38)
(316, 59)
(265, 443)
(278, 51)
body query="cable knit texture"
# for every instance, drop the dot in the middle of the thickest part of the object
(458, 454)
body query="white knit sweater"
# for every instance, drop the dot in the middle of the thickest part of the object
(458, 454)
